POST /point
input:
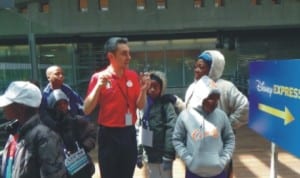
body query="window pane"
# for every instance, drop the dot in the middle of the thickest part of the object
(161, 4)
(155, 60)
(138, 62)
(89, 58)
(14, 64)
(198, 3)
(56, 54)
(23, 9)
(219, 3)
(44, 7)
(103, 5)
(174, 68)
(83, 5)
(190, 56)
(140, 4)
(276, 1)
(256, 2)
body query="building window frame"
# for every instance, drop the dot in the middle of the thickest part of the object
(256, 2)
(276, 1)
(219, 3)
(161, 4)
(83, 5)
(44, 7)
(140, 4)
(198, 4)
(103, 5)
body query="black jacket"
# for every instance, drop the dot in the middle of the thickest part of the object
(74, 129)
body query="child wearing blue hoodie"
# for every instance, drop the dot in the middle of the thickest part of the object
(203, 137)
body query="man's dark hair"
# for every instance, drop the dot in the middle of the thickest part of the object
(112, 43)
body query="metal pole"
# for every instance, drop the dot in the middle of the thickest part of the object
(32, 50)
(274, 160)
(32, 55)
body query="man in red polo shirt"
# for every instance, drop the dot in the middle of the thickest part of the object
(118, 92)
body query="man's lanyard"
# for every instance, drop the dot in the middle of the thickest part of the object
(145, 119)
(125, 94)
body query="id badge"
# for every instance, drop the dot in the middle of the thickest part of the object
(76, 161)
(147, 137)
(128, 119)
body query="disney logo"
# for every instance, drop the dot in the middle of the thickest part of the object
(261, 87)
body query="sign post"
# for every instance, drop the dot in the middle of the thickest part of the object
(274, 161)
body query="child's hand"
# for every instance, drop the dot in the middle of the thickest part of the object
(145, 81)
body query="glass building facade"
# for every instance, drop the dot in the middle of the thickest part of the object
(174, 57)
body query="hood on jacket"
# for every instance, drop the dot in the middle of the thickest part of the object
(55, 96)
(204, 87)
(217, 64)
(163, 79)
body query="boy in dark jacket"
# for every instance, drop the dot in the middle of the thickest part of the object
(78, 134)
(32, 149)
(159, 118)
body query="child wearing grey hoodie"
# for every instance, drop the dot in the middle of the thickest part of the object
(203, 137)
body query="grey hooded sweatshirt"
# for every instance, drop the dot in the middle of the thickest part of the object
(233, 102)
(204, 141)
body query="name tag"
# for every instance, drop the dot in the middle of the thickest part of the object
(147, 137)
(76, 161)
(128, 119)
